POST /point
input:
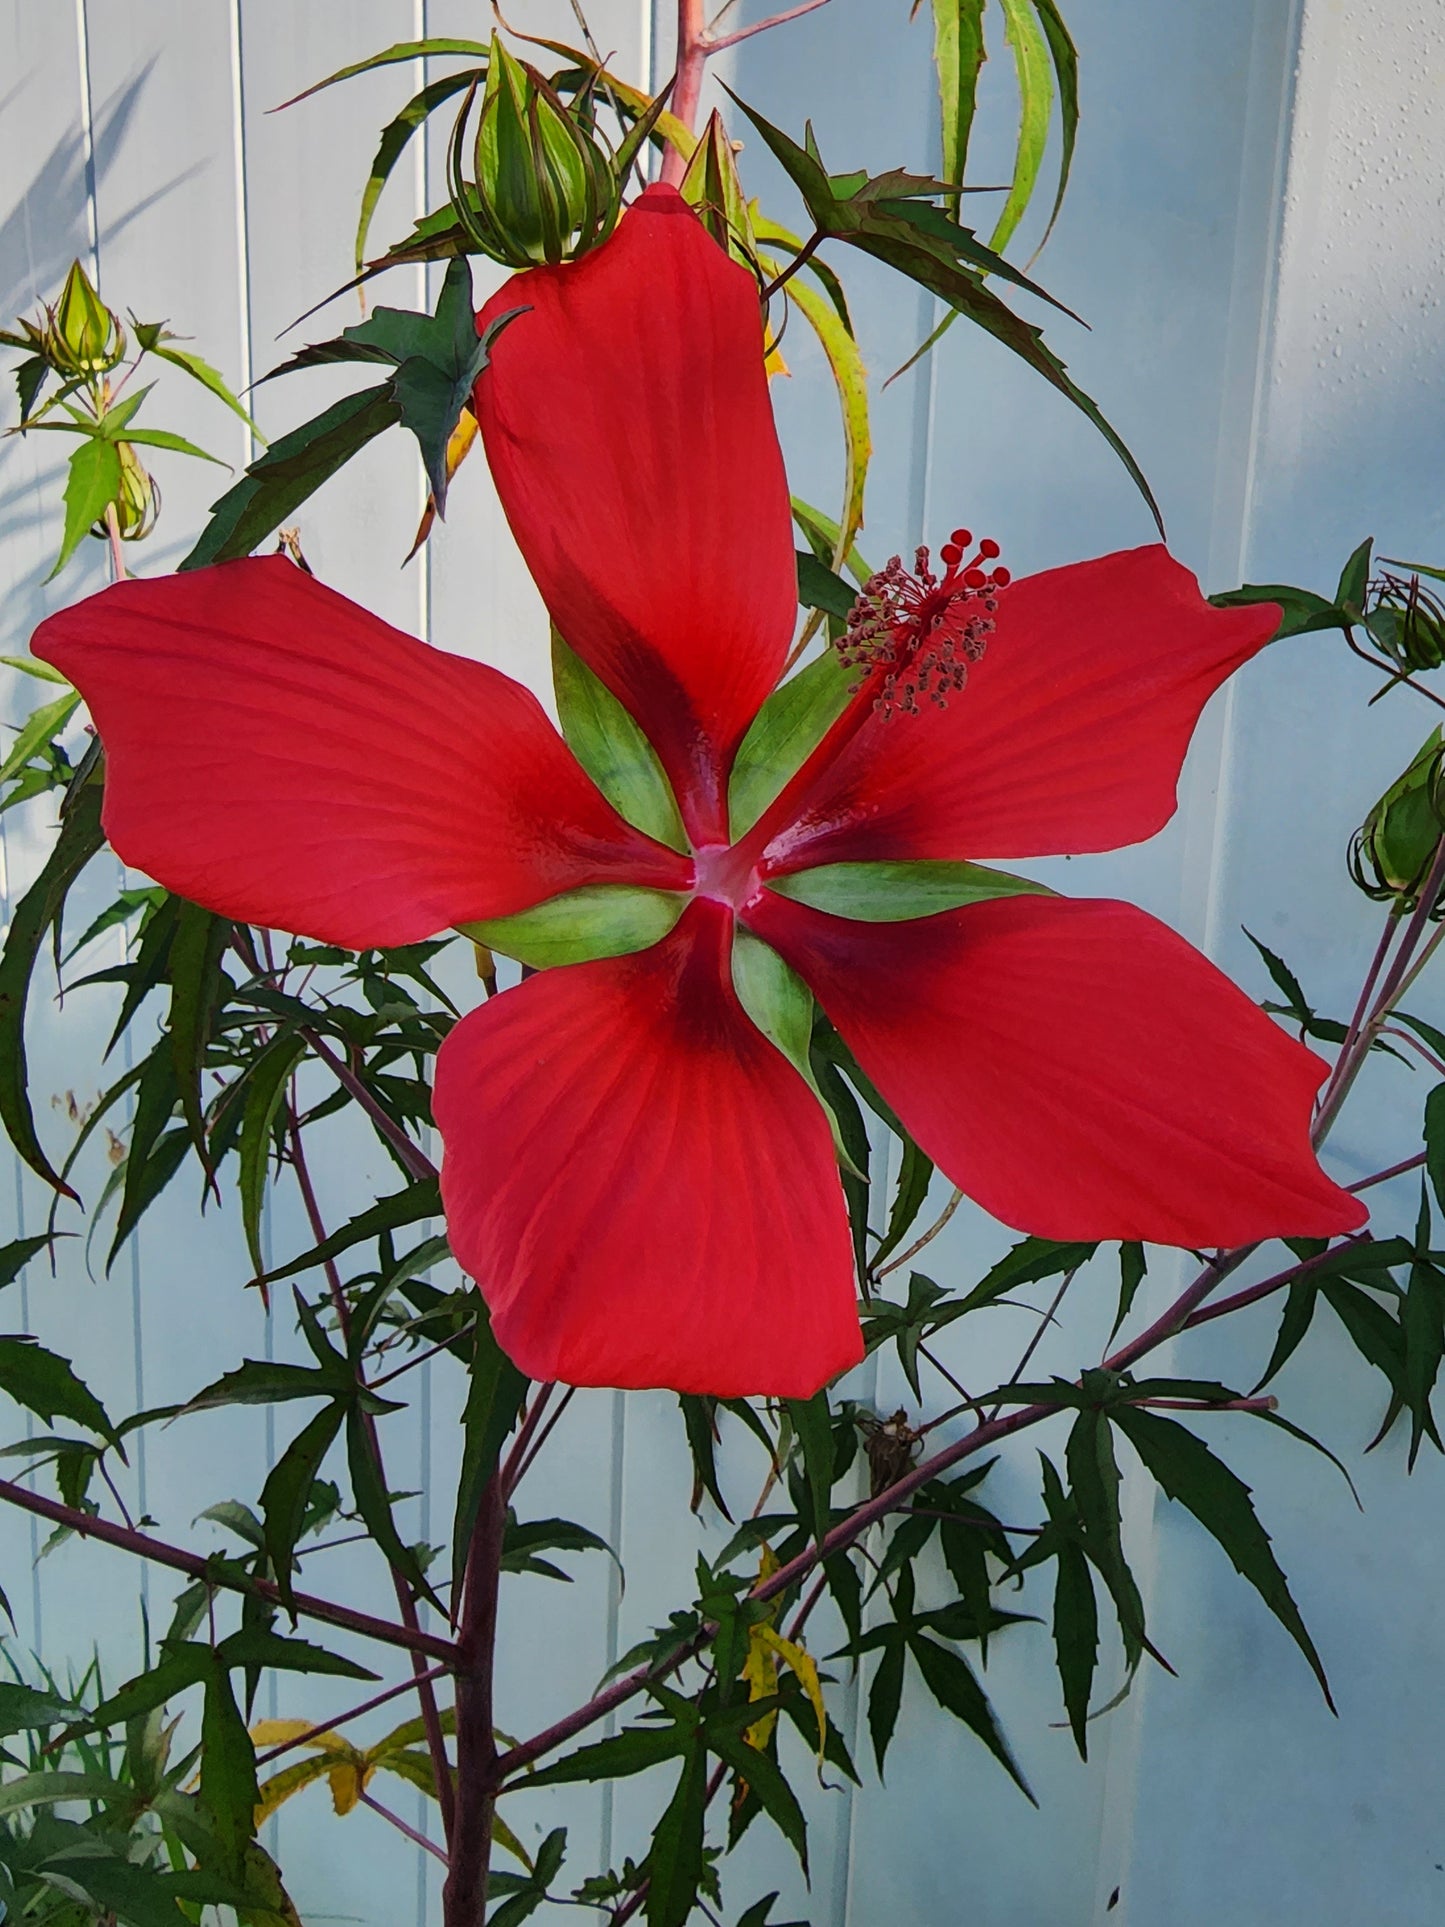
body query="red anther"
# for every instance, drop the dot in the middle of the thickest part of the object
(1001, 578)
(951, 554)
(987, 547)
(974, 578)
(961, 539)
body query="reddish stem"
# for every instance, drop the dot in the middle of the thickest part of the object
(692, 53)
(195, 1567)
(343, 1719)
(464, 1897)
(402, 1826)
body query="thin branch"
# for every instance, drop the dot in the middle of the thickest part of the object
(762, 26)
(402, 1826)
(421, 1358)
(411, 1155)
(86, 1526)
(927, 1239)
(1391, 1171)
(355, 1713)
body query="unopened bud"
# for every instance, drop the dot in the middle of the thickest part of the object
(138, 502)
(543, 187)
(1407, 622)
(1393, 850)
(84, 337)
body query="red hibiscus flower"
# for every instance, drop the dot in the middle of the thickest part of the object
(641, 1182)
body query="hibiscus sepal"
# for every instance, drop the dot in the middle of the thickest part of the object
(599, 920)
(898, 892)
(785, 732)
(781, 1005)
(606, 740)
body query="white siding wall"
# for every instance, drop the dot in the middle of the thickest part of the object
(1256, 234)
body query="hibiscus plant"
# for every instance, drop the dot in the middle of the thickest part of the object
(686, 1023)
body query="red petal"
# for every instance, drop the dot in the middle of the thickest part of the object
(1077, 1069)
(642, 1185)
(1068, 738)
(627, 422)
(277, 754)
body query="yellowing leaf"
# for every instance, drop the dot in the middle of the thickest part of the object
(348, 1781)
(804, 1669)
(280, 1787)
(282, 1732)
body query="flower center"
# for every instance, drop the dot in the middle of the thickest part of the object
(724, 873)
(913, 633)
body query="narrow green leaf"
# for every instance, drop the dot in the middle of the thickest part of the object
(395, 137)
(1435, 1142)
(633, 1750)
(258, 1646)
(24, 1708)
(1299, 1310)
(1076, 1637)
(813, 1428)
(421, 1199)
(177, 444)
(610, 746)
(1133, 1267)
(389, 56)
(258, 1381)
(15, 1256)
(599, 920)
(1355, 579)
(1030, 1261)
(40, 909)
(265, 1090)
(915, 1175)
(958, 56)
(950, 1679)
(374, 1503)
(286, 1495)
(1188, 1472)
(495, 1394)
(1095, 1484)
(182, 1667)
(91, 486)
(40, 727)
(1422, 1324)
(48, 1789)
(209, 378)
(1034, 71)
(674, 1860)
(894, 892)
(290, 471)
(885, 1696)
(228, 1771)
(46, 1384)
(819, 588)
(198, 985)
(760, 1772)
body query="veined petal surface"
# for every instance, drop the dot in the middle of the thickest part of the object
(1077, 1068)
(628, 427)
(281, 756)
(641, 1184)
(1069, 736)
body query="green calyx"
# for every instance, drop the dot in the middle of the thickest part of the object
(543, 187)
(601, 920)
(784, 733)
(781, 1005)
(896, 892)
(1391, 853)
(611, 747)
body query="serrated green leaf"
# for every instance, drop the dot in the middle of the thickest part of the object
(1076, 1637)
(15, 1256)
(265, 1090)
(46, 1384)
(258, 1646)
(1185, 1469)
(495, 1394)
(395, 137)
(885, 1696)
(1095, 1484)
(24, 1708)
(210, 378)
(177, 444)
(915, 1175)
(37, 731)
(38, 911)
(674, 1860)
(290, 471)
(813, 1429)
(611, 747)
(1299, 1310)
(92, 484)
(1034, 72)
(420, 1200)
(633, 1750)
(1030, 1261)
(198, 985)
(958, 57)
(403, 50)
(760, 1772)
(950, 1679)
(1355, 580)
(228, 1788)
(1133, 1268)
(286, 1494)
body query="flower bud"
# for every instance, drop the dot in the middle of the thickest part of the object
(1391, 853)
(544, 187)
(1407, 622)
(138, 503)
(83, 336)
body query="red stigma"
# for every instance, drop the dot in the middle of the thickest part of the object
(917, 632)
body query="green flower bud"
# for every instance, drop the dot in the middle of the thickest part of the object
(1406, 622)
(544, 186)
(83, 337)
(139, 502)
(1391, 853)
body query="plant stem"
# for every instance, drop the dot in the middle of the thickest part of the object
(402, 1826)
(118, 570)
(411, 1155)
(692, 53)
(211, 1574)
(405, 1603)
(464, 1897)
(342, 1719)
